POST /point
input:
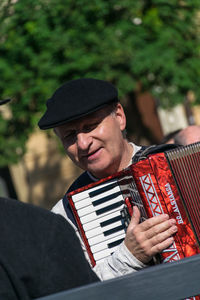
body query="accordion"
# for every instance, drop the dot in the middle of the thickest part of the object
(166, 182)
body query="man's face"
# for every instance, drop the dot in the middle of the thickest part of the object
(95, 142)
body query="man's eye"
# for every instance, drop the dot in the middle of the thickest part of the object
(70, 135)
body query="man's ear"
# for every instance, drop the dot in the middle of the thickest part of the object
(121, 117)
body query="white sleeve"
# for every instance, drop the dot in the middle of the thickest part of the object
(121, 262)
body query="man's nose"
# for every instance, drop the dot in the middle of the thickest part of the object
(83, 140)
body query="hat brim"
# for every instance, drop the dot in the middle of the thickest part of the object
(62, 122)
(4, 101)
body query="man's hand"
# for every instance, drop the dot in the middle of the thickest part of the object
(150, 237)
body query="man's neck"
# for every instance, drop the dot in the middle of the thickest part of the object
(129, 152)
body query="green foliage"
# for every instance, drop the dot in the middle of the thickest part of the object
(45, 43)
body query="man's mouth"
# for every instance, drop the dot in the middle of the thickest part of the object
(93, 155)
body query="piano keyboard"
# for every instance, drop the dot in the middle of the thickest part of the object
(99, 211)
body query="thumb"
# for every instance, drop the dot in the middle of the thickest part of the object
(135, 219)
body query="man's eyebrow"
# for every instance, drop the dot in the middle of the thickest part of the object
(69, 130)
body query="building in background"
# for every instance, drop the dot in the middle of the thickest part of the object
(172, 119)
(44, 174)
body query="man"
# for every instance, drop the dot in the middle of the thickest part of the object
(185, 136)
(169, 138)
(90, 122)
(188, 135)
(39, 252)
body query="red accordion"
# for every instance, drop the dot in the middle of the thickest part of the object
(167, 182)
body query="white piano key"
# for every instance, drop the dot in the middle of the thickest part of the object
(104, 245)
(101, 255)
(89, 209)
(101, 238)
(83, 203)
(93, 216)
(101, 230)
(97, 221)
(88, 201)
(109, 215)
(85, 194)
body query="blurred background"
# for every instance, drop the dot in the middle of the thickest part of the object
(150, 50)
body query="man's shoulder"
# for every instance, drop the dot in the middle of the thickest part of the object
(62, 207)
(23, 215)
(10, 205)
(145, 151)
(83, 180)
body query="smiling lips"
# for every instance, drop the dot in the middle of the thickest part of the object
(92, 155)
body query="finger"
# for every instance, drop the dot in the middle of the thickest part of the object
(147, 224)
(162, 246)
(161, 237)
(161, 227)
(135, 219)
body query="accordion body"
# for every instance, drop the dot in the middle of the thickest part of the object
(166, 182)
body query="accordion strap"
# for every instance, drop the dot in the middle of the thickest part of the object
(147, 150)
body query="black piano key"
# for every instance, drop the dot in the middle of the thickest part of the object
(113, 230)
(110, 221)
(125, 217)
(124, 212)
(109, 207)
(107, 198)
(115, 243)
(103, 189)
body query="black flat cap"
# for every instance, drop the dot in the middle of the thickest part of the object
(75, 99)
